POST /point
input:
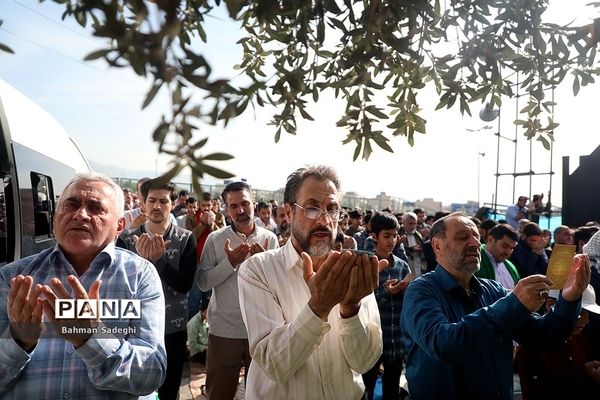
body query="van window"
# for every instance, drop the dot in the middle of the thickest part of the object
(4, 207)
(43, 204)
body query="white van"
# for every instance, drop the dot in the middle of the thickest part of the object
(37, 159)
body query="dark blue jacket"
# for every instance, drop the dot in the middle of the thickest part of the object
(528, 262)
(461, 348)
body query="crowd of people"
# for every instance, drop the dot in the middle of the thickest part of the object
(312, 300)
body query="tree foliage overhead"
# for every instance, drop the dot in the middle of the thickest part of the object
(472, 52)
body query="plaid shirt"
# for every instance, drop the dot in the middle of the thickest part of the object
(107, 366)
(390, 307)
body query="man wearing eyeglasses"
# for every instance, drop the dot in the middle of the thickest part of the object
(312, 319)
(224, 250)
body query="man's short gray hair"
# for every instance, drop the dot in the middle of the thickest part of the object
(98, 177)
(409, 215)
(296, 178)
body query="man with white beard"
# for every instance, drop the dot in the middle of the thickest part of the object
(312, 319)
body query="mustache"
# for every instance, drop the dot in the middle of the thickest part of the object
(472, 251)
(319, 230)
(79, 226)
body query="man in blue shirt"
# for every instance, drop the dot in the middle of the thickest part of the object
(458, 329)
(117, 358)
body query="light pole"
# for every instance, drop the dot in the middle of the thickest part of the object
(479, 155)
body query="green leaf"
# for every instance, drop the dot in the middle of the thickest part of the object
(367, 150)
(376, 112)
(97, 54)
(218, 157)
(170, 174)
(576, 86)
(160, 132)
(151, 94)
(356, 152)
(5, 48)
(331, 6)
(304, 114)
(545, 142)
(216, 172)
(199, 144)
(382, 142)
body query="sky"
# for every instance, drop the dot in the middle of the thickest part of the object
(455, 161)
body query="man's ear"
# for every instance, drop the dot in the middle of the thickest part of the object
(121, 225)
(287, 210)
(436, 244)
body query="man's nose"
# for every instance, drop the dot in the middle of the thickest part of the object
(81, 213)
(474, 241)
(324, 219)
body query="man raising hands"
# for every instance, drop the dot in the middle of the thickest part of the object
(312, 319)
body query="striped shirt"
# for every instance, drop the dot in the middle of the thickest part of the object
(108, 365)
(296, 355)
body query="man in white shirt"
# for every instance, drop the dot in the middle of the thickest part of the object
(500, 243)
(264, 219)
(517, 212)
(312, 319)
(224, 250)
(413, 244)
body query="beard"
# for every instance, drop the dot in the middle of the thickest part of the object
(284, 227)
(320, 249)
(242, 220)
(156, 217)
(458, 260)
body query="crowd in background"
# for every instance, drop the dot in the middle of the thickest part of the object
(511, 249)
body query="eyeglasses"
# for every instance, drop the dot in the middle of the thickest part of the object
(316, 212)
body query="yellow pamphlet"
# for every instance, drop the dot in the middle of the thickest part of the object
(560, 263)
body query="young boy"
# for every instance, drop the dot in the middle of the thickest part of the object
(393, 281)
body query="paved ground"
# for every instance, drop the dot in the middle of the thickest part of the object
(194, 376)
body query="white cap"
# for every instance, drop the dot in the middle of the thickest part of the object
(588, 300)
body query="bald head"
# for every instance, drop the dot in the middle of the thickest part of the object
(455, 241)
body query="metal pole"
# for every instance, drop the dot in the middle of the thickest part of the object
(551, 163)
(516, 139)
(478, 179)
(495, 200)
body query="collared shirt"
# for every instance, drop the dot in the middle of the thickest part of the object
(295, 354)
(502, 274)
(390, 309)
(216, 272)
(511, 215)
(466, 343)
(364, 241)
(107, 366)
(416, 259)
(130, 215)
(271, 226)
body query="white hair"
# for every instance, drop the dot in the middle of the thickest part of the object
(409, 215)
(98, 177)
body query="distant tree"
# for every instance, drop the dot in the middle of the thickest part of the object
(294, 50)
